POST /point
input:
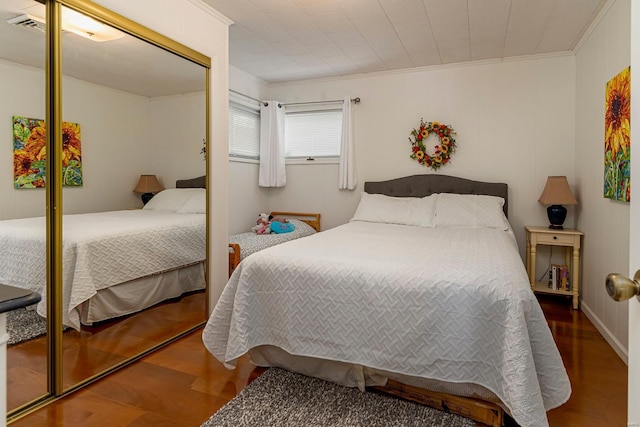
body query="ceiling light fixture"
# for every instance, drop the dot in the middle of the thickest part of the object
(89, 28)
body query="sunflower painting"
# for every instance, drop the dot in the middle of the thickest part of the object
(617, 142)
(29, 153)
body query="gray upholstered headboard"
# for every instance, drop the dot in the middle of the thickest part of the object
(424, 185)
(199, 182)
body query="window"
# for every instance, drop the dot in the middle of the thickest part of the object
(244, 132)
(311, 134)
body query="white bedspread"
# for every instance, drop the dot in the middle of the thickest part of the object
(99, 250)
(446, 304)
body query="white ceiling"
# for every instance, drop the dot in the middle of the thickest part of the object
(282, 40)
(126, 64)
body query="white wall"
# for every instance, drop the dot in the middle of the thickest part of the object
(603, 53)
(27, 99)
(115, 144)
(246, 199)
(177, 132)
(514, 121)
(247, 84)
(114, 137)
(314, 188)
(201, 28)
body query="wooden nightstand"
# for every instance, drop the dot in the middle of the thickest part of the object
(568, 238)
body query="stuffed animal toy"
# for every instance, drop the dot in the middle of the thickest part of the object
(263, 226)
(280, 227)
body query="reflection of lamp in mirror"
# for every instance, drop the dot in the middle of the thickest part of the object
(555, 194)
(148, 185)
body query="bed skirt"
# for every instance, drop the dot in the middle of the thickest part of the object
(136, 295)
(353, 375)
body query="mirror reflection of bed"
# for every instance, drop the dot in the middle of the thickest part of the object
(141, 110)
(120, 320)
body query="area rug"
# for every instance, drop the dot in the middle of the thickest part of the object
(282, 398)
(24, 324)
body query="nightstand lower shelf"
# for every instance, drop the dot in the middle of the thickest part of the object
(543, 288)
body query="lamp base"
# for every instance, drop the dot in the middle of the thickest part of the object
(146, 197)
(556, 215)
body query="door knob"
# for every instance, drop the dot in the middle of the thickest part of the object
(622, 288)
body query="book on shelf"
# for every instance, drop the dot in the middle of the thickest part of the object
(559, 277)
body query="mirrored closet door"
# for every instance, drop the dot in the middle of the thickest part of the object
(22, 193)
(133, 125)
(135, 272)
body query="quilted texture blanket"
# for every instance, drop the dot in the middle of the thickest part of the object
(447, 304)
(99, 250)
(251, 242)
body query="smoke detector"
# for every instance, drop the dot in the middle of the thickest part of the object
(29, 21)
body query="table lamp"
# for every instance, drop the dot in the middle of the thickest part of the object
(555, 194)
(148, 185)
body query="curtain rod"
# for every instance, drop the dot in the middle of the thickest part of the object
(250, 97)
(355, 100)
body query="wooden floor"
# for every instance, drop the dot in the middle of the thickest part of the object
(99, 347)
(182, 384)
(598, 376)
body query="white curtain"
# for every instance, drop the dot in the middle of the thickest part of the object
(272, 166)
(347, 176)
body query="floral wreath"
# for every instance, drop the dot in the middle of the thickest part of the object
(443, 150)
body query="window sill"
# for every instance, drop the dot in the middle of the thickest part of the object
(243, 160)
(318, 161)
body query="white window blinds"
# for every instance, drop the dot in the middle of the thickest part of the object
(312, 134)
(244, 132)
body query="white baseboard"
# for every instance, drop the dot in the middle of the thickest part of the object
(617, 346)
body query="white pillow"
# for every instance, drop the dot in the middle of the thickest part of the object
(171, 199)
(197, 204)
(470, 211)
(415, 211)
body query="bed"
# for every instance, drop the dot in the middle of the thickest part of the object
(425, 288)
(242, 245)
(115, 263)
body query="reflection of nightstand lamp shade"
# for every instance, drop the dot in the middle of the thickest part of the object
(555, 194)
(148, 185)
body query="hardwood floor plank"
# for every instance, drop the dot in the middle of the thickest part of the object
(85, 409)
